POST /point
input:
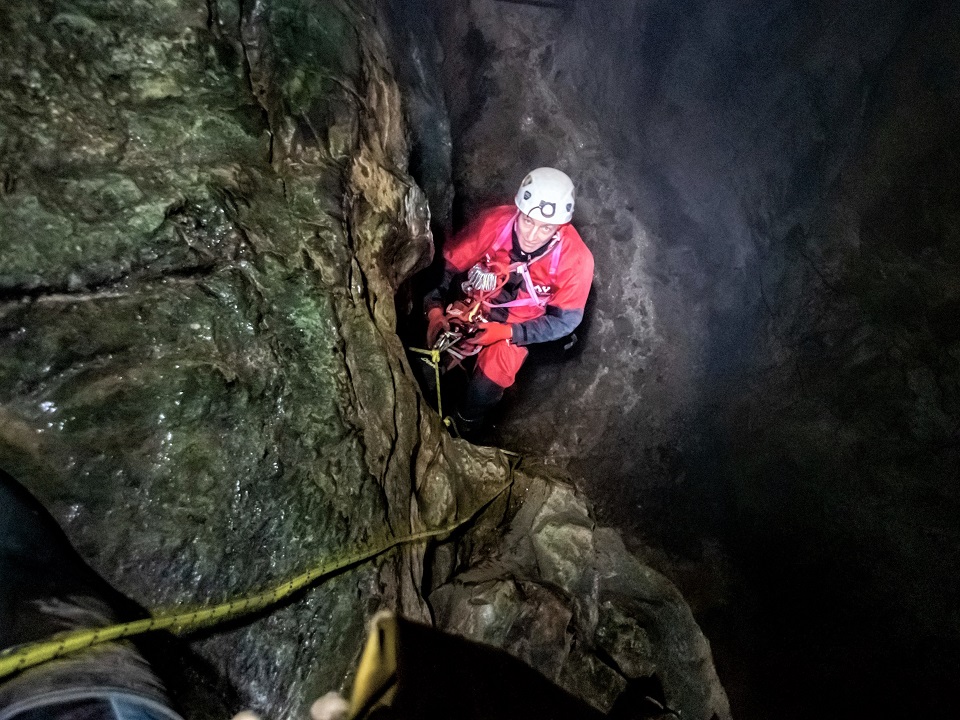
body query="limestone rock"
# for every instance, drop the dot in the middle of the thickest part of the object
(569, 599)
(205, 210)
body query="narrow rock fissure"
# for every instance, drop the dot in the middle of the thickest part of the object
(761, 411)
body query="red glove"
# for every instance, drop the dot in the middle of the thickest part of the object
(436, 323)
(491, 333)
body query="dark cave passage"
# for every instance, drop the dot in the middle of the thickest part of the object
(212, 215)
(766, 383)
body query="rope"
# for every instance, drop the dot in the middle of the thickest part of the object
(179, 621)
(434, 362)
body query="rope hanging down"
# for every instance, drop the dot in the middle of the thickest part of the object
(434, 362)
(181, 622)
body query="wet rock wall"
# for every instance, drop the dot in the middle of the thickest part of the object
(564, 594)
(205, 213)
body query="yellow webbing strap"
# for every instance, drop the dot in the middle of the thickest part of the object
(376, 682)
(179, 621)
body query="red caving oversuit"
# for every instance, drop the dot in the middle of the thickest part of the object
(561, 275)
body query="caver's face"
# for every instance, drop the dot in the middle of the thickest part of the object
(533, 234)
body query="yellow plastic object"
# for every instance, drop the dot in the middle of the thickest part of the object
(376, 682)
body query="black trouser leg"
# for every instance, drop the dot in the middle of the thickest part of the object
(482, 394)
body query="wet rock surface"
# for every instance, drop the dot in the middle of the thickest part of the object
(205, 213)
(567, 597)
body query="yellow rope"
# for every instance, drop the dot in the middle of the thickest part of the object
(434, 362)
(179, 621)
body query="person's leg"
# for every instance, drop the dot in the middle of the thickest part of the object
(496, 370)
(46, 588)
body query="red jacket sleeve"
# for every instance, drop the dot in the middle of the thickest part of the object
(466, 248)
(471, 243)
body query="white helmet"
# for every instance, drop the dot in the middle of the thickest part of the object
(546, 194)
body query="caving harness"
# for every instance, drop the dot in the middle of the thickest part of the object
(467, 315)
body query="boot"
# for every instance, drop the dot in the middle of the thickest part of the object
(467, 428)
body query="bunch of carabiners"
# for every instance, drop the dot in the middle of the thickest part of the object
(467, 315)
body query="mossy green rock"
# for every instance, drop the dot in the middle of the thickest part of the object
(196, 372)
